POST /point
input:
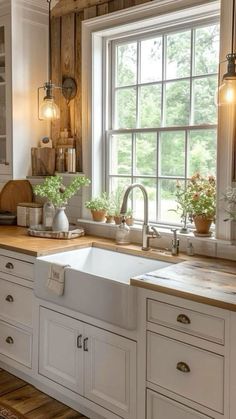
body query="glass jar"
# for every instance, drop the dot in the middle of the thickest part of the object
(60, 162)
(48, 214)
(123, 233)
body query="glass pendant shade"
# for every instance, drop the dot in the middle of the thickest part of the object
(227, 92)
(48, 109)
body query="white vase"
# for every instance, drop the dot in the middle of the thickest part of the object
(60, 220)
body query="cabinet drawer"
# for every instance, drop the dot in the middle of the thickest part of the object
(188, 321)
(16, 302)
(159, 407)
(186, 370)
(17, 267)
(15, 343)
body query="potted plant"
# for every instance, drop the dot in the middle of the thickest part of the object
(98, 207)
(116, 199)
(56, 193)
(129, 217)
(198, 200)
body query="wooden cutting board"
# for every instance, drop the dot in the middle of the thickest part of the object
(14, 192)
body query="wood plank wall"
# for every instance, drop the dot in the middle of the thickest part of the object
(66, 60)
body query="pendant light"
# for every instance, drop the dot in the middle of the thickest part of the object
(47, 108)
(227, 89)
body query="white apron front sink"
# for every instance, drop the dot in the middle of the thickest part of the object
(97, 283)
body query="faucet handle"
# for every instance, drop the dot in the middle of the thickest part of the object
(155, 232)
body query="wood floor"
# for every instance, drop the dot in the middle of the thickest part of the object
(30, 402)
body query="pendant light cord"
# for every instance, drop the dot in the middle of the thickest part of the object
(50, 42)
(233, 27)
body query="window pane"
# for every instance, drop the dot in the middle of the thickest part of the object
(204, 100)
(126, 108)
(177, 103)
(146, 154)
(167, 201)
(126, 70)
(121, 154)
(150, 106)
(172, 153)
(202, 152)
(151, 60)
(178, 55)
(150, 185)
(207, 50)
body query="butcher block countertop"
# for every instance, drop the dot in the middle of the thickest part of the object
(205, 280)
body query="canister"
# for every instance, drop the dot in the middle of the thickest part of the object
(29, 214)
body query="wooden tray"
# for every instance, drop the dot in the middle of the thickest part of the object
(41, 231)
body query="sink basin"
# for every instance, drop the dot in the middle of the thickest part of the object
(97, 283)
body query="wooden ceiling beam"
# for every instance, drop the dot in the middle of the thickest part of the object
(63, 7)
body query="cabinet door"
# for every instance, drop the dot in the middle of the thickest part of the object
(5, 96)
(160, 407)
(110, 371)
(60, 349)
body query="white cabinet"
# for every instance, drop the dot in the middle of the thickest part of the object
(23, 68)
(159, 407)
(186, 366)
(110, 371)
(61, 353)
(97, 364)
(16, 311)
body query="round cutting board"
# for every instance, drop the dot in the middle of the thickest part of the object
(14, 192)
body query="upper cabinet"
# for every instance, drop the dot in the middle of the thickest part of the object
(23, 68)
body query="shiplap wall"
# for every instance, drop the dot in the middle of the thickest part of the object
(66, 61)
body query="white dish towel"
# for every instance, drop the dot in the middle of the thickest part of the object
(56, 278)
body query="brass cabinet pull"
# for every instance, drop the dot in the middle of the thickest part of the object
(9, 299)
(9, 265)
(182, 367)
(10, 340)
(79, 342)
(182, 318)
(86, 345)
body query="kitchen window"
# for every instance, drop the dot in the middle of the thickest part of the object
(161, 115)
(115, 136)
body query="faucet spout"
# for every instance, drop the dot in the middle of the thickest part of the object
(146, 231)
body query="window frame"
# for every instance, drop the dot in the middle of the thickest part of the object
(94, 34)
(109, 93)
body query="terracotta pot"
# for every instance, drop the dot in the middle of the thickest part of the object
(202, 224)
(99, 215)
(109, 219)
(129, 221)
(117, 219)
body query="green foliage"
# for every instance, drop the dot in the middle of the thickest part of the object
(198, 198)
(100, 203)
(56, 193)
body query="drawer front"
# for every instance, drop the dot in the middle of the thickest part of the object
(159, 407)
(17, 267)
(193, 373)
(16, 302)
(15, 343)
(187, 321)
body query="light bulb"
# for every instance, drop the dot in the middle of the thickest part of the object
(49, 110)
(227, 92)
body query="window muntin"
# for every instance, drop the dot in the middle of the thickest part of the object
(163, 116)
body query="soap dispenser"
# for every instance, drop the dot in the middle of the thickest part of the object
(123, 233)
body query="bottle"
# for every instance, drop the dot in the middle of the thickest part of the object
(48, 214)
(60, 162)
(123, 233)
(190, 249)
(71, 160)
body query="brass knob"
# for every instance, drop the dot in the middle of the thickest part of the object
(9, 265)
(9, 299)
(182, 318)
(10, 340)
(182, 367)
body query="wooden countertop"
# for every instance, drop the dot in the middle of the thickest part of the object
(205, 280)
